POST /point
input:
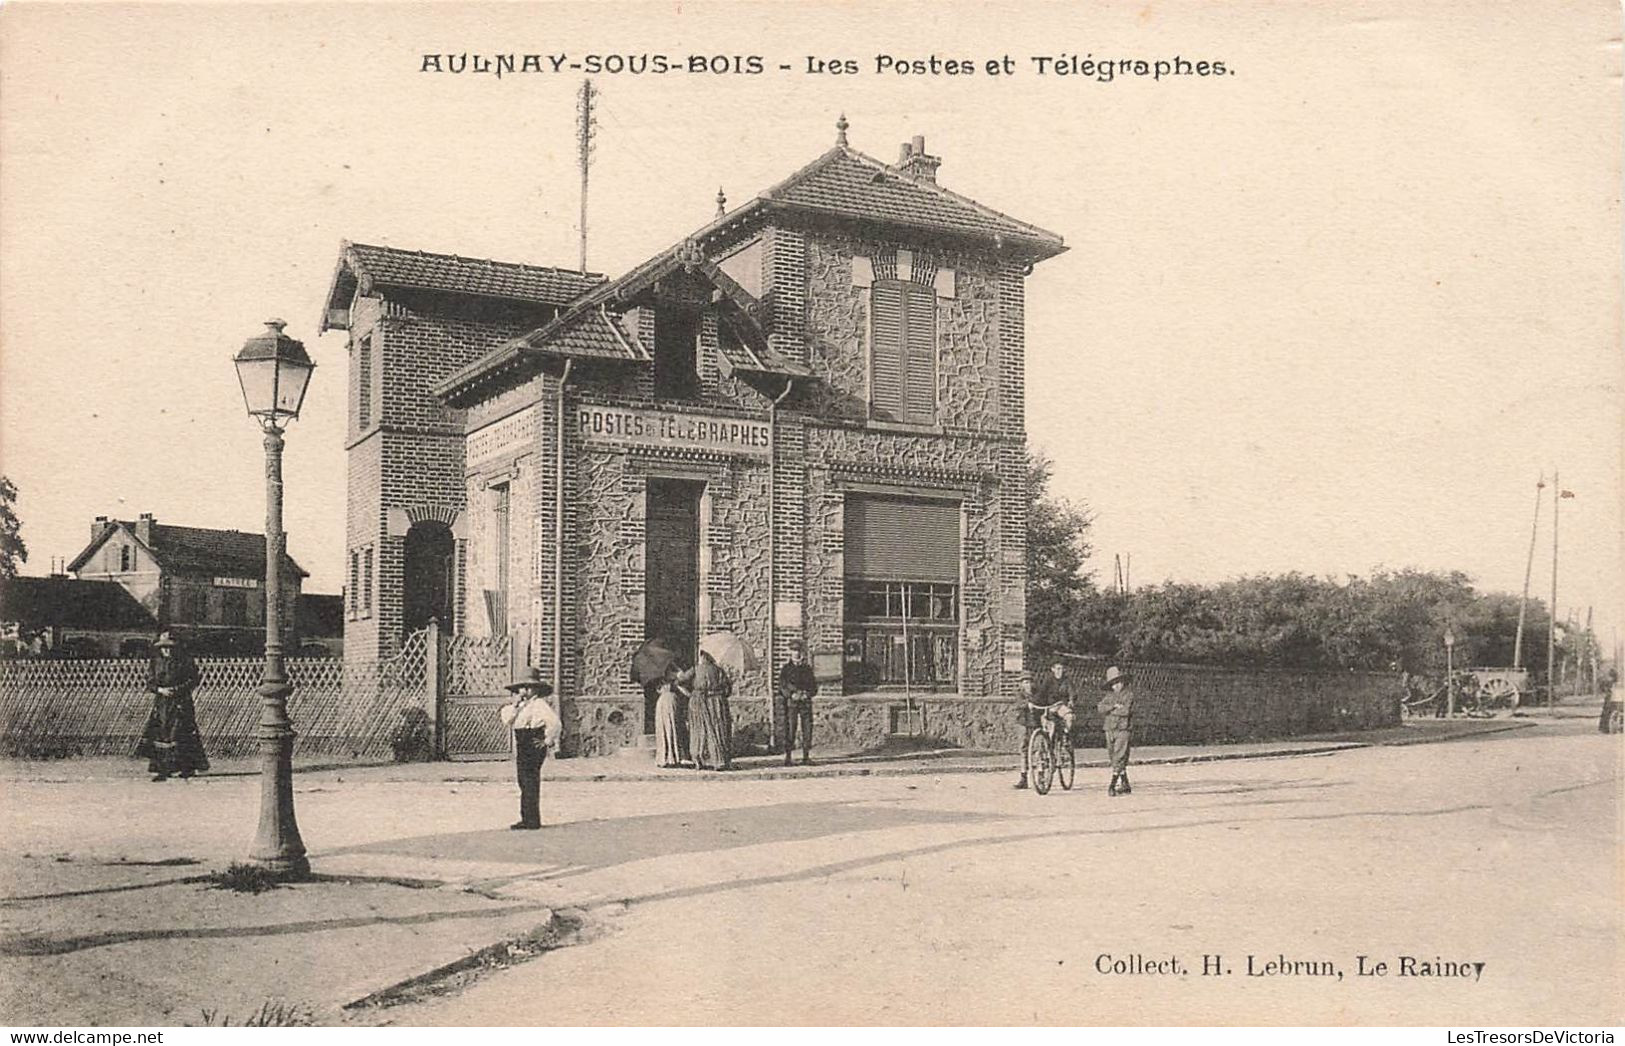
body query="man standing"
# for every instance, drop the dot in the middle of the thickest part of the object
(1117, 708)
(1047, 691)
(796, 689)
(536, 729)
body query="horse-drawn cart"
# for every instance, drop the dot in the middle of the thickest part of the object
(1479, 692)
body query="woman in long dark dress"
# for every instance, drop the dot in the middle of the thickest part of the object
(710, 725)
(171, 741)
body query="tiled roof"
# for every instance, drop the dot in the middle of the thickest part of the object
(450, 272)
(63, 602)
(195, 550)
(841, 183)
(591, 333)
(847, 183)
(198, 550)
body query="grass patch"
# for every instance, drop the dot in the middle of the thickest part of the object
(245, 878)
(273, 1013)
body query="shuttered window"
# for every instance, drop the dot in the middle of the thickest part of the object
(902, 539)
(903, 352)
(902, 594)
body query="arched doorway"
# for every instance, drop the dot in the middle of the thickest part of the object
(431, 562)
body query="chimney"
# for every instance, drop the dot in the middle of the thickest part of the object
(914, 161)
(143, 528)
(97, 525)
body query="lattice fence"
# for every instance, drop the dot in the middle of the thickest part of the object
(344, 709)
(476, 670)
(1182, 704)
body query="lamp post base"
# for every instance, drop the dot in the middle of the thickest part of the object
(277, 846)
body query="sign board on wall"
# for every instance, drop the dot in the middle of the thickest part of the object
(236, 582)
(1012, 655)
(827, 666)
(669, 430)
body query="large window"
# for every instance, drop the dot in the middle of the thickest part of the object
(903, 352)
(902, 593)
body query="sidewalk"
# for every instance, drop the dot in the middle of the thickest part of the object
(634, 765)
(109, 916)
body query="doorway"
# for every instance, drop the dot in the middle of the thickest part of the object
(672, 572)
(431, 559)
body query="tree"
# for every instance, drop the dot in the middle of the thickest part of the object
(1057, 549)
(12, 549)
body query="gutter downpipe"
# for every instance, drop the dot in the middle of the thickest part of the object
(558, 544)
(772, 538)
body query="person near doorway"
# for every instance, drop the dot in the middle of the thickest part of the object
(796, 689)
(1117, 710)
(537, 729)
(171, 741)
(709, 722)
(671, 742)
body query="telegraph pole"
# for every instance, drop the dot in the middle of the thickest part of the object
(586, 127)
(1551, 627)
(1528, 569)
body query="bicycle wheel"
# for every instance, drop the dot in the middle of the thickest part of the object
(1066, 764)
(1041, 762)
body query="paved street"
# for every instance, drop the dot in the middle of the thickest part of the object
(928, 898)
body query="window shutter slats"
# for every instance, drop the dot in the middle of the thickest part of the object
(921, 367)
(902, 539)
(886, 388)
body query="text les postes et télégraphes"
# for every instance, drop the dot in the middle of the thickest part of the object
(1076, 66)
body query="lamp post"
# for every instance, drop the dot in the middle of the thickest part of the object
(1450, 667)
(274, 371)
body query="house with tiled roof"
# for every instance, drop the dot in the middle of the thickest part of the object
(803, 422)
(64, 616)
(206, 585)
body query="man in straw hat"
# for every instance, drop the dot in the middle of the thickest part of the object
(1117, 708)
(536, 728)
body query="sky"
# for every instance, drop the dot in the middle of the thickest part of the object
(1333, 311)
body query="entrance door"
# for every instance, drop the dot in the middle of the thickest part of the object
(672, 563)
(431, 554)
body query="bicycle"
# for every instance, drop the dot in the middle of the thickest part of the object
(1049, 748)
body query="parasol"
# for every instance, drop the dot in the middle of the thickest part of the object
(652, 659)
(731, 652)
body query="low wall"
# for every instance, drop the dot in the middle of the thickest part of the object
(1174, 704)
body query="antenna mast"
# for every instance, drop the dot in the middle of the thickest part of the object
(586, 127)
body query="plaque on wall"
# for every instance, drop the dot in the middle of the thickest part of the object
(826, 665)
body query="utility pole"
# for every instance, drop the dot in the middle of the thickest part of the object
(1528, 569)
(586, 128)
(1590, 652)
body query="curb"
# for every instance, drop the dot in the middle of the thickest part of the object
(506, 952)
(930, 765)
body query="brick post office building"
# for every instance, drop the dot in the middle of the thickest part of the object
(803, 422)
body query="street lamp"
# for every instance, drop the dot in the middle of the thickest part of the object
(274, 370)
(1450, 667)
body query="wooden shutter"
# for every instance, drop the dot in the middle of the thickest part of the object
(902, 539)
(886, 351)
(920, 367)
